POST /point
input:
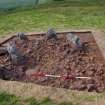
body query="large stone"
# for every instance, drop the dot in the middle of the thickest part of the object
(22, 36)
(51, 34)
(74, 39)
(3, 51)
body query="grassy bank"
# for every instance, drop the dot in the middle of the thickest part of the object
(7, 99)
(60, 15)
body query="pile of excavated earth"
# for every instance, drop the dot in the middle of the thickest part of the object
(67, 60)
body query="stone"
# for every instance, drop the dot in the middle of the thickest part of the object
(3, 51)
(74, 39)
(22, 36)
(15, 55)
(90, 87)
(51, 34)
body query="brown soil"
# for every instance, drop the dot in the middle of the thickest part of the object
(58, 58)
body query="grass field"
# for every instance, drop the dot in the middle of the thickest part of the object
(60, 15)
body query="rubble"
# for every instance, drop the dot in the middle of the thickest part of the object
(41, 55)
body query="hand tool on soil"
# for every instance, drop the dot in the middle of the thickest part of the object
(66, 77)
(51, 34)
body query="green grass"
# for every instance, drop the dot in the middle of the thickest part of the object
(7, 99)
(63, 15)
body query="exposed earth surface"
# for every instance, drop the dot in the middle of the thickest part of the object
(56, 57)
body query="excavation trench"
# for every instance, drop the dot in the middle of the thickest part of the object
(57, 58)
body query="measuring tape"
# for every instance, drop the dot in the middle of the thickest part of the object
(66, 77)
